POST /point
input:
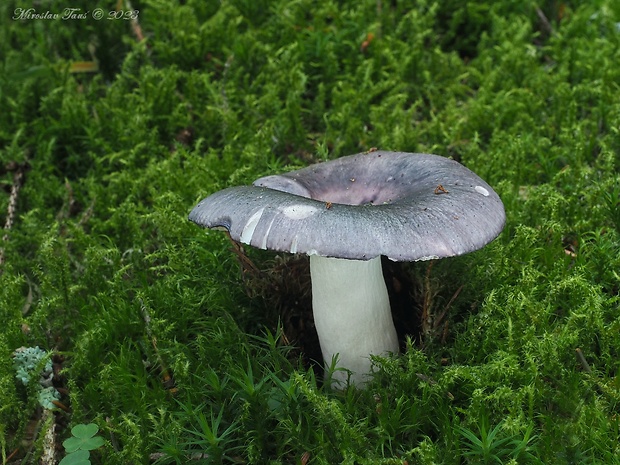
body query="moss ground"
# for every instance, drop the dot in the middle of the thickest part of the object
(178, 358)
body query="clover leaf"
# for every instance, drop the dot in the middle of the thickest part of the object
(83, 438)
(79, 457)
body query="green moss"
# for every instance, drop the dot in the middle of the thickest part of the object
(162, 345)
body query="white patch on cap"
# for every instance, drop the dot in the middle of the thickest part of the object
(482, 190)
(263, 244)
(294, 245)
(299, 212)
(250, 226)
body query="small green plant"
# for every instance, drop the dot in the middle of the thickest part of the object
(491, 447)
(79, 445)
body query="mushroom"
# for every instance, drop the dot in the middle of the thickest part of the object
(345, 214)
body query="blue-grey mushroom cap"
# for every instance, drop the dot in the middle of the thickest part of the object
(406, 206)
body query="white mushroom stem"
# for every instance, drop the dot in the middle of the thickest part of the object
(351, 314)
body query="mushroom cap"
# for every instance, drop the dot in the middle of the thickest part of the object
(406, 206)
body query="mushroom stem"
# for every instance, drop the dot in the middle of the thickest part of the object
(351, 314)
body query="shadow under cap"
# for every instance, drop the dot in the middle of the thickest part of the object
(362, 206)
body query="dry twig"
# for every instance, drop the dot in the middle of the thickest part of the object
(48, 457)
(19, 170)
(166, 373)
(546, 25)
